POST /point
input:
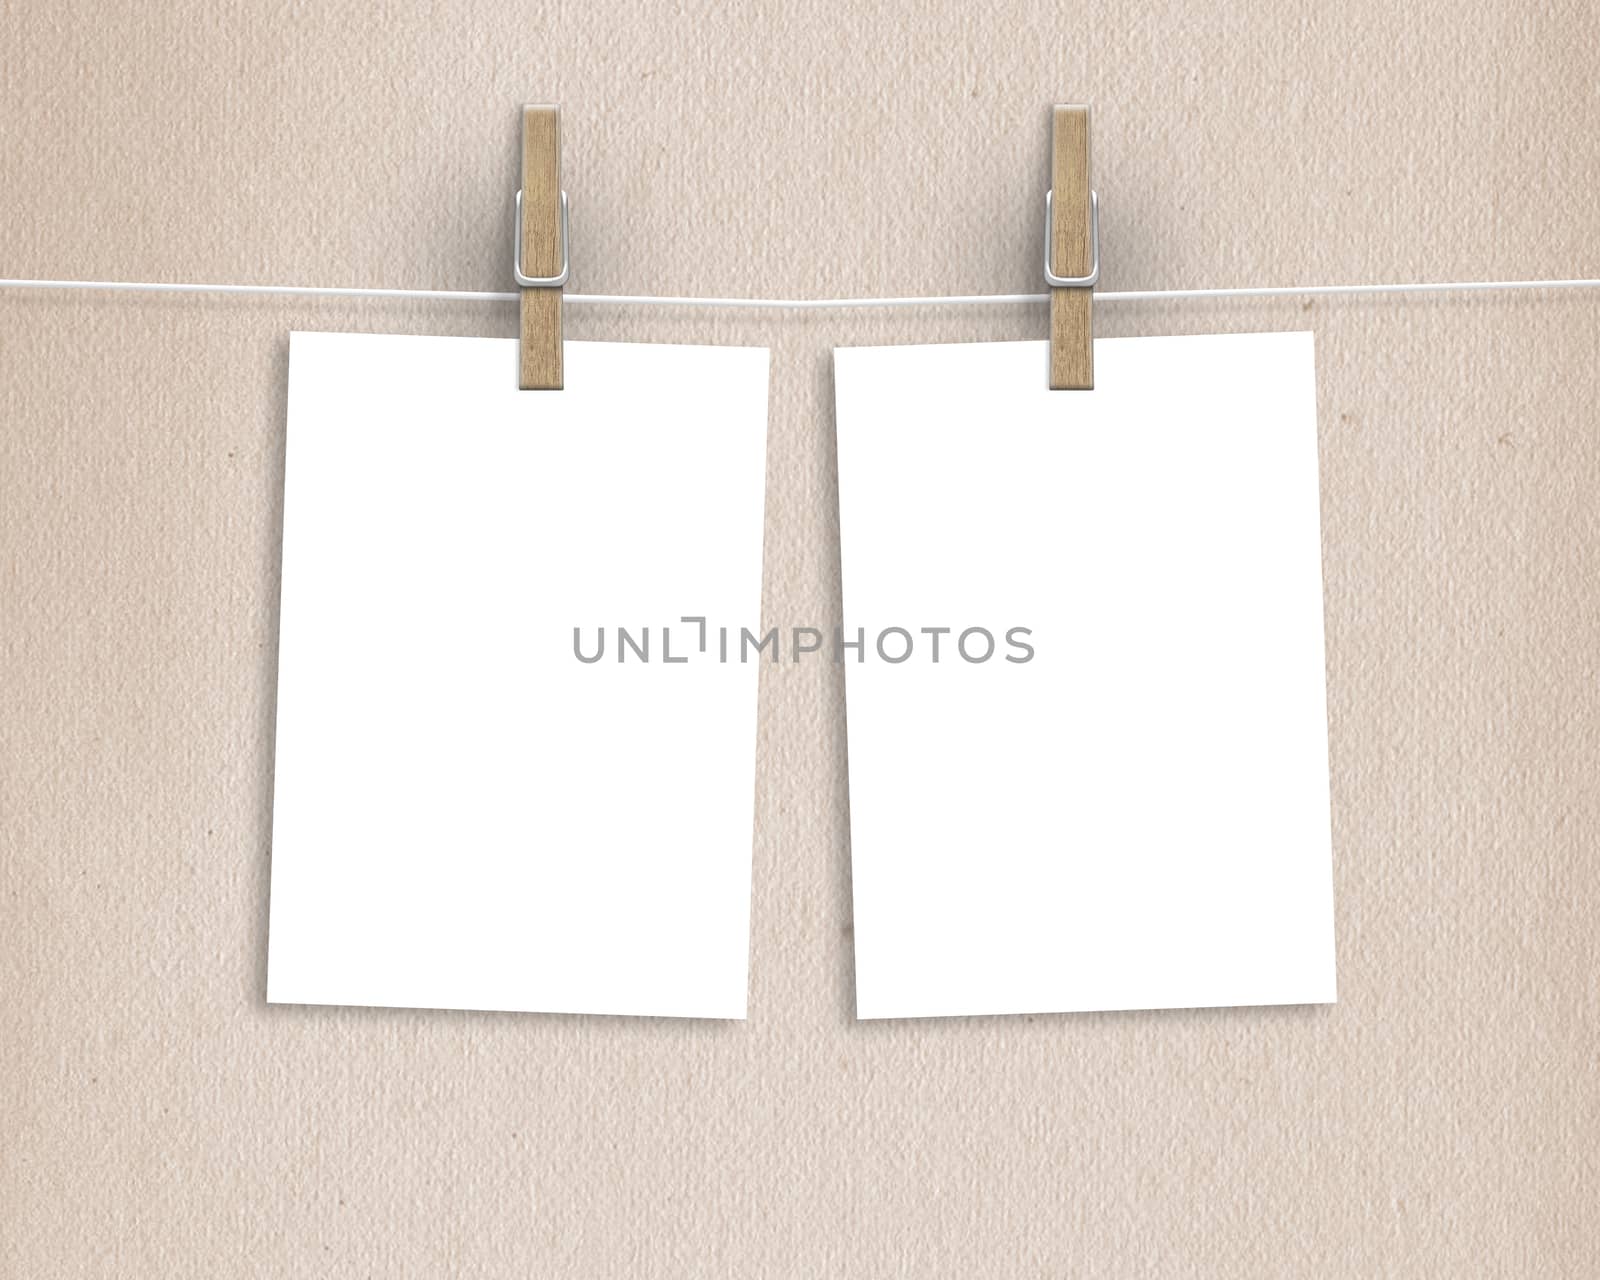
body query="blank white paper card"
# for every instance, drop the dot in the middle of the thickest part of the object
(1087, 720)
(467, 815)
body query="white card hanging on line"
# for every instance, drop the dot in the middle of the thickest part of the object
(467, 813)
(1110, 788)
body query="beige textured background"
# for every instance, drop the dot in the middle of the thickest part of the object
(160, 1120)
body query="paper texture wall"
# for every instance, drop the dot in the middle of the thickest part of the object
(160, 1118)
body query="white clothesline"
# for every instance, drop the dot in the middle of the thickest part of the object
(809, 304)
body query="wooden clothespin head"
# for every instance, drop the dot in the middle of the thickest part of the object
(1071, 252)
(541, 249)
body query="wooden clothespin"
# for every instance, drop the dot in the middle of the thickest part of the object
(541, 265)
(1072, 252)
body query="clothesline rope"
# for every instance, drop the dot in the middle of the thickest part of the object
(809, 304)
